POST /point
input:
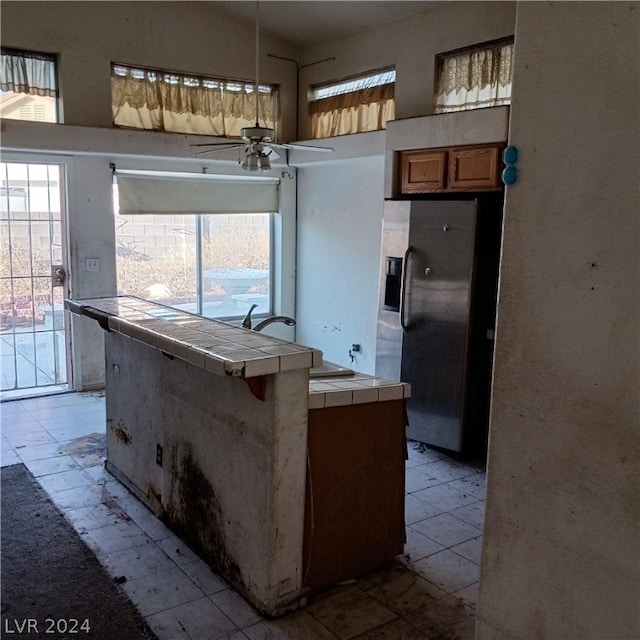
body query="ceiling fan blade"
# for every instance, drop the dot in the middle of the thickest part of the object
(218, 149)
(301, 147)
(218, 144)
(273, 154)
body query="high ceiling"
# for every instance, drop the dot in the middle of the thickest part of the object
(315, 21)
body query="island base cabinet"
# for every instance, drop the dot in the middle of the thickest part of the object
(354, 507)
(222, 468)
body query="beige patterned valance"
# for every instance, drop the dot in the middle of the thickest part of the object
(147, 99)
(354, 112)
(479, 77)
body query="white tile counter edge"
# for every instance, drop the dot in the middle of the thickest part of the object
(224, 349)
(207, 343)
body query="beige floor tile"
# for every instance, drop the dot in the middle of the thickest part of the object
(402, 590)
(447, 530)
(471, 549)
(197, 620)
(394, 630)
(294, 626)
(419, 546)
(471, 514)
(236, 608)
(350, 613)
(204, 577)
(448, 570)
(447, 618)
(444, 497)
(49, 466)
(468, 595)
(165, 590)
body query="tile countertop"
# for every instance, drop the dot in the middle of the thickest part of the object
(216, 346)
(225, 349)
(358, 388)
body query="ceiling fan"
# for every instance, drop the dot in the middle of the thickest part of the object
(258, 142)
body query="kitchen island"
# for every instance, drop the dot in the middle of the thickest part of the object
(283, 484)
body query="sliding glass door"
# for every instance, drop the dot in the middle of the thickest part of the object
(216, 265)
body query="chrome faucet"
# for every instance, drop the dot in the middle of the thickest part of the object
(267, 321)
(247, 324)
(246, 321)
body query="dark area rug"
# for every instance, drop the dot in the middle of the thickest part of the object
(52, 584)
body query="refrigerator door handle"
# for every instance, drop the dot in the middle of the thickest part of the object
(403, 286)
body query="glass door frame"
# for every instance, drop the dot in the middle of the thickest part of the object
(64, 163)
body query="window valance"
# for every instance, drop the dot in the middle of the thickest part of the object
(27, 72)
(168, 193)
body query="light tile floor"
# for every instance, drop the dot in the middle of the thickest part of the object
(429, 594)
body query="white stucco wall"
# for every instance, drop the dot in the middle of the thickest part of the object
(192, 37)
(561, 556)
(410, 45)
(340, 221)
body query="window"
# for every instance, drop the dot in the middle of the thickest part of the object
(28, 86)
(356, 105)
(475, 77)
(164, 101)
(215, 265)
(217, 262)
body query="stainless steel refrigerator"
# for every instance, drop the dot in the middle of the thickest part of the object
(438, 283)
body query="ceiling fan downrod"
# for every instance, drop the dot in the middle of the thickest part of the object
(257, 60)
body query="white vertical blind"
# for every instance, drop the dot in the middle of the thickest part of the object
(166, 193)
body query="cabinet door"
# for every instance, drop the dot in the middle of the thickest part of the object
(422, 171)
(474, 168)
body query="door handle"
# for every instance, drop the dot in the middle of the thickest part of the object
(403, 286)
(58, 275)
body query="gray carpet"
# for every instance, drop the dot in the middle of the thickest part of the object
(50, 578)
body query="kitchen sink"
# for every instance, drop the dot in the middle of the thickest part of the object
(328, 370)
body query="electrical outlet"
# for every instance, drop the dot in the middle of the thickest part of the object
(92, 264)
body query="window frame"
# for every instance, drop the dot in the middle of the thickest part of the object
(42, 55)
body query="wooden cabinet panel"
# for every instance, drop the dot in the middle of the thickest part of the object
(422, 171)
(354, 512)
(450, 169)
(473, 168)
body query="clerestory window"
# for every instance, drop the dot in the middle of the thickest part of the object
(474, 77)
(181, 103)
(28, 86)
(354, 105)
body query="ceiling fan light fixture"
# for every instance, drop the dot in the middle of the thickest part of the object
(263, 163)
(249, 162)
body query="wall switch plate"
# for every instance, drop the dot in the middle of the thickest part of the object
(92, 264)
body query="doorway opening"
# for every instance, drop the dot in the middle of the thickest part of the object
(34, 337)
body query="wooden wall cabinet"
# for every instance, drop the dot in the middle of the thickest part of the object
(423, 170)
(452, 169)
(474, 168)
